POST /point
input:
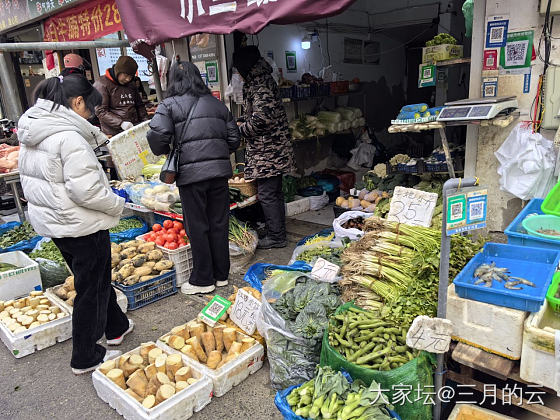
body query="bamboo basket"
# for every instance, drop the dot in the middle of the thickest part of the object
(247, 188)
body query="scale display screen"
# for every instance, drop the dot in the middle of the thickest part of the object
(480, 111)
(455, 112)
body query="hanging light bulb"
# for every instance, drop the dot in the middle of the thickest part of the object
(306, 42)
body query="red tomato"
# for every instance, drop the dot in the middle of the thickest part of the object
(156, 227)
(168, 224)
(177, 225)
(182, 243)
(172, 245)
(150, 237)
(170, 237)
(160, 241)
(182, 233)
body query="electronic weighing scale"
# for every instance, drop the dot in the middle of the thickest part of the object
(477, 109)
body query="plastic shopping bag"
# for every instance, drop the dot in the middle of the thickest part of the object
(352, 234)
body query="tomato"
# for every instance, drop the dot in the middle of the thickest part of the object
(182, 233)
(168, 224)
(156, 227)
(172, 245)
(150, 237)
(160, 241)
(170, 237)
(177, 225)
(182, 243)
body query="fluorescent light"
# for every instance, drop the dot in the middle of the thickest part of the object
(306, 42)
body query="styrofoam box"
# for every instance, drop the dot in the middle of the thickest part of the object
(537, 356)
(179, 407)
(495, 329)
(50, 293)
(299, 206)
(473, 412)
(38, 338)
(19, 282)
(232, 373)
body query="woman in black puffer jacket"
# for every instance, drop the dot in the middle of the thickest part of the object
(205, 146)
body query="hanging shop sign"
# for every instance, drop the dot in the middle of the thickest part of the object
(244, 311)
(496, 33)
(515, 57)
(14, 13)
(86, 22)
(466, 210)
(426, 75)
(215, 309)
(412, 207)
(430, 334)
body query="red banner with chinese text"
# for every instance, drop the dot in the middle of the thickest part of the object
(89, 21)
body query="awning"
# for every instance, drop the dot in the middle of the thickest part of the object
(148, 23)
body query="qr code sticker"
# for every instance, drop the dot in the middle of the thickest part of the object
(476, 210)
(427, 73)
(516, 53)
(489, 90)
(456, 211)
(490, 61)
(215, 309)
(211, 72)
(497, 34)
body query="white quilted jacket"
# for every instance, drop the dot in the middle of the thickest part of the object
(64, 183)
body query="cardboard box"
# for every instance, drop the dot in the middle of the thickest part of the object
(441, 52)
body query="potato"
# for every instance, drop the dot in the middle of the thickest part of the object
(339, 201)
(115, 259)
(150, 264)
(139, 260)
(147, 278)
(117, 277)
(131, 280)
(69, 283)
(127, 270)
(163, 265)
(116, 248)
(131, 244)
(155, 255)
(123, 263)
(143, 271)
(147, 247)
(162, 272)
(129, 252)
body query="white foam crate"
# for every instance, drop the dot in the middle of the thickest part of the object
(299, 206)
(181, 406)
(537, 356)
(51, 294)
(473, 412)
(232, 373)
(495, 329)
(27, 342)
(19, 282)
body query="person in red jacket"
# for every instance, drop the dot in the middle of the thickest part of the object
(122, 107)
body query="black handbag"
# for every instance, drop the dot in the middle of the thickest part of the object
(170, 168)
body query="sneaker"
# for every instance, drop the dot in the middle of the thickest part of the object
(190, 289)
(268, 243)
(222, 283)
(117, 341)
(109, 354)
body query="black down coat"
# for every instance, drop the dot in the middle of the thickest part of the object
(205, 145)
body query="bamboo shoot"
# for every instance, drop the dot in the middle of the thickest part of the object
(117, 376)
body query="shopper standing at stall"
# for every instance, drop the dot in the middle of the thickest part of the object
(70, 200)
(203, 133)
(269, 152)
(122, 106)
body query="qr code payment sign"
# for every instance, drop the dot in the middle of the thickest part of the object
(489, 90)
(497, 34)
(476, 210)
(215, 309)
(427, 73)
(456, 211)
(516, 53)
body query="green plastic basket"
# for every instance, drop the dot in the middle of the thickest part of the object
(542, 221)
(553, 301)
(551, 204)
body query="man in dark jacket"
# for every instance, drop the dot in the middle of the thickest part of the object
(122, 107)
(269, 152)
(204, 142)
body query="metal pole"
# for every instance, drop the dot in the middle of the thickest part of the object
(450, 184)
(9, 89)
(157, 82)
(73, 45)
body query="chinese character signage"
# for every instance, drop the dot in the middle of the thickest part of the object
(430, 334)
(90, 20)
(412, 207)
(17, 12)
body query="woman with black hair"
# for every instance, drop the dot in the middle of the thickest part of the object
(205, 134)
(70, 201)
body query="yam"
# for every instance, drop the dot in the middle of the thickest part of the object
(208, 342)
(138, 382)
(124, 262)
(191, 381)
(116, 277)
(160, 363)
(150, 371)
(214, 358)
(163, 265)
(173, 363)
(116, 247)
(218, 332)
(153, 353)
(147, 247)
(196, 329)
(131, 244)
(155, 255)
(193, 341)
(183, 374)
(146, 278)
(128, 253)
(189, 351)
(142, 271)
(139, 260)
(115, 259)
(164, 392)
(144, 350)
(127, 270)
(235, 348)
(134, 395)
(180, 385)
(177, 342)
(131, 280)
(149, 401)
(117, 376)
(107, 366)
(246, 344)
(229, 336)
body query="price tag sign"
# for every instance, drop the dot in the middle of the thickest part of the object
(325, 270)
(244, 311)
(412, 207)
(430, 334)
(215, 309)
(466, 210)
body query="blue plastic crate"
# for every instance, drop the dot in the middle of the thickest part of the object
(144, 293)
(517, 235)
(534, 264)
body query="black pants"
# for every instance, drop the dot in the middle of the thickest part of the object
(271, 198)
(206, 212)
(95, 307)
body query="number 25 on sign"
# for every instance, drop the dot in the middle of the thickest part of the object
(412, 207)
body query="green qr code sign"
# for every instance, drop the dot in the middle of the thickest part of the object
(215, 309)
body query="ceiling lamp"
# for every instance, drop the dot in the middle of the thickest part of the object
(306, 42)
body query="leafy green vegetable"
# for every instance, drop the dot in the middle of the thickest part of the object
(20, 233)
(48, 251)
(126, 224)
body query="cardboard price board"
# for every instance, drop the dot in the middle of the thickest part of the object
(325, 270)
(412, 207)
(430, 334)
(244, 311)
(215, 309)
(466, 210)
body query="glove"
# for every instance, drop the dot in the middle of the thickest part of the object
(126, 125)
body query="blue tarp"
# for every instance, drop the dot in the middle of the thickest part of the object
(257, 272)
(131, 234)
(27, 245)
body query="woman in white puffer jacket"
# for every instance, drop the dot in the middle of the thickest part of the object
(70, 201)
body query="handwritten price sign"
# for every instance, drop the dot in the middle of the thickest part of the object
(430, 334)
(244, 311)
(412, 207)
(325, 270)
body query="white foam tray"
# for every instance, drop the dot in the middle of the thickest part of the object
(229, 375)
(27, 342)
(50, 293)
(179, 407)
